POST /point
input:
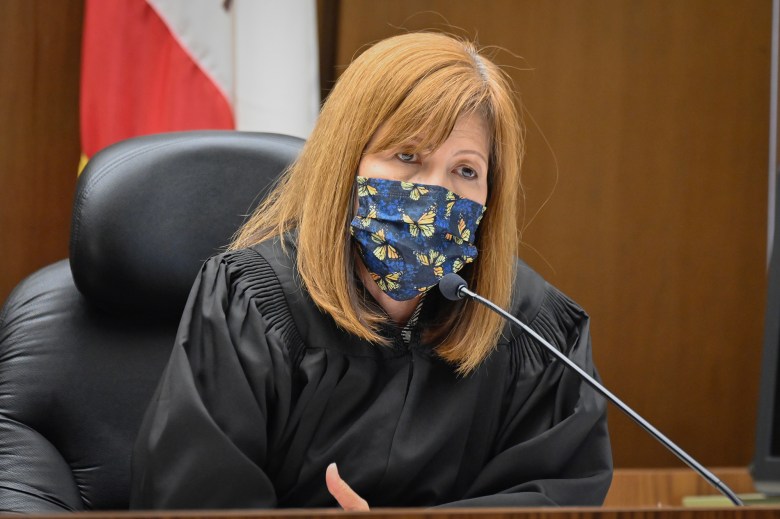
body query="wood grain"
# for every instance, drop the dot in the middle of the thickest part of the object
(40, 44)
(646, 182)
(633, 488)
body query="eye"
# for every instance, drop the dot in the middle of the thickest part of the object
(406, 157)
(466, 172)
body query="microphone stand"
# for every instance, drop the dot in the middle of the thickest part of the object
(462, 290)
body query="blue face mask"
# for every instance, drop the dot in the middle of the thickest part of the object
(410, 235)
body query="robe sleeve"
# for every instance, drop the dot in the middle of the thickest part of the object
(553, 446)
(204, 440)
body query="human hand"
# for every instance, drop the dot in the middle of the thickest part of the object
(338, 488)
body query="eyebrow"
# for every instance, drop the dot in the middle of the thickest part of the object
(472, 152)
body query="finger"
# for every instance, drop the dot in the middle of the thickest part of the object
(347, 498)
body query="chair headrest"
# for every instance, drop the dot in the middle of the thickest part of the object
(148, 211)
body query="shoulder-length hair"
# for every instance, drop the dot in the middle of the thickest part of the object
(415, 86)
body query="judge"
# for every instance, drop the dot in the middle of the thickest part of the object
(317, 365)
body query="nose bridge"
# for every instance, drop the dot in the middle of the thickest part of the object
(434, 170)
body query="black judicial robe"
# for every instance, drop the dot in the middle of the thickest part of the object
(263, 391)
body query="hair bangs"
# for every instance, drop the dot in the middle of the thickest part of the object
(425, 117)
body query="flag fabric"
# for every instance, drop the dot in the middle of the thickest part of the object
(151, 66)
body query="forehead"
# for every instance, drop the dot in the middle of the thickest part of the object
(472, 130)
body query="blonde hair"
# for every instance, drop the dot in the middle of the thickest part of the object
(416, 86)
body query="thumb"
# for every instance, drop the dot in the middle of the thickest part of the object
(338, 488)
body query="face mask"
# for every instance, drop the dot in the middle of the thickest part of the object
(410, 235)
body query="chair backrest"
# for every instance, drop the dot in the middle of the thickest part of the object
(83, 342)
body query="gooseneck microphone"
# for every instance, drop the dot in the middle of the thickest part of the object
(454, 287)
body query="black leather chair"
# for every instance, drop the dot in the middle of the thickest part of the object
(83, 342)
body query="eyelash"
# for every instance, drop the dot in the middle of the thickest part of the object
(474, 172)
(409, 158)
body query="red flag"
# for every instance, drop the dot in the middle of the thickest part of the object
(137, 79)
(151, 66)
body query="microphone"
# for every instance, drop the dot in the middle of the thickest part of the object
(454, 287)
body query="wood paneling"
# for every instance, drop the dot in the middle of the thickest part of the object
(327, 38)
(39, 142)
(633, 488)
(646, 178)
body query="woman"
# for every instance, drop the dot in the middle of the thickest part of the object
(320, 340)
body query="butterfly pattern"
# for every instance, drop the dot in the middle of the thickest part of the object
(365, 221)
(384, 250)
(415, 190)
(410, 235)
(364, 188)
(464, 234)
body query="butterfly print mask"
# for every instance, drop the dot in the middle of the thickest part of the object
(410, 235)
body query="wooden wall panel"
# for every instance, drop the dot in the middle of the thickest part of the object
(654, 187)
(40, 44)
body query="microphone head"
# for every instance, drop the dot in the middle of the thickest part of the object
(450, 286)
